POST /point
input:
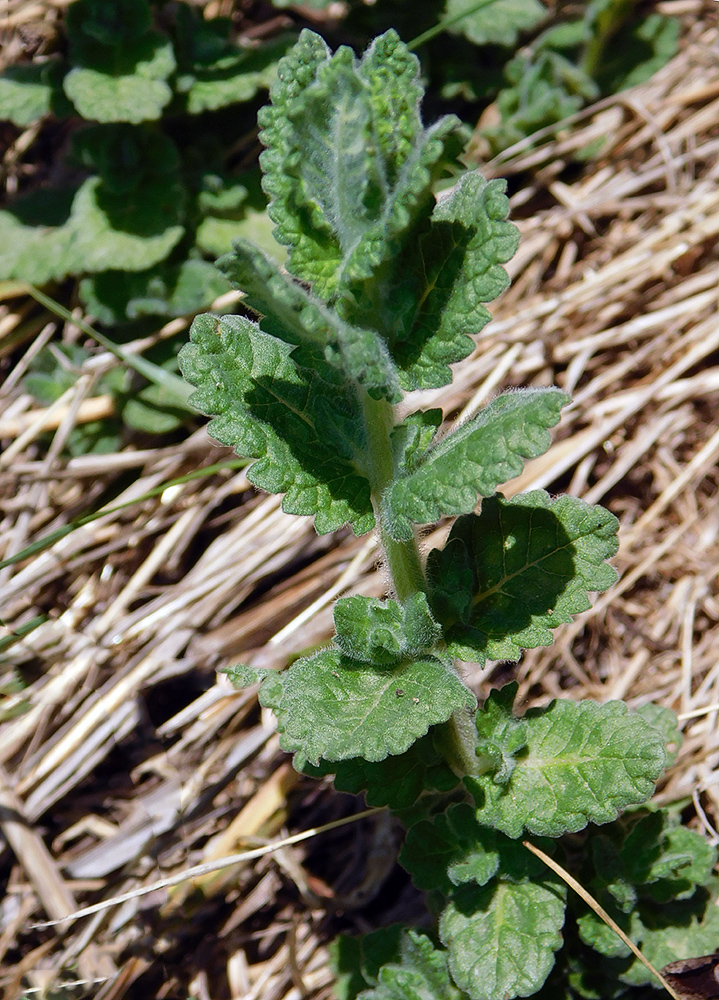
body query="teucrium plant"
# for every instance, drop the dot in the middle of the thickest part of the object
(383, 288)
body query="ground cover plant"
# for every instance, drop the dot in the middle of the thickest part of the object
(148, 105)
(385, 283)
(150, 192)
(145, 196)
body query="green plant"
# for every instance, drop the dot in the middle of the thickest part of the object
(148, 195)
(569, 64)
(385, 284)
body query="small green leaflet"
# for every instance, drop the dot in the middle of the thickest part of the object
(298, 317)
(452, 848)
(136, 90)
(299, 420)
(502, 937)
(520, 568)
(383, 632)
(348, 164)
(331, 707)
(577, 763)
(474, 459)
(495, 22)
(436, 290)
(419, 973)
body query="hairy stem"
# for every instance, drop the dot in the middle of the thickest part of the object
(402, 558)
(456, 740)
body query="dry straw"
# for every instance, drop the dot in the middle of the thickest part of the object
(129, 757)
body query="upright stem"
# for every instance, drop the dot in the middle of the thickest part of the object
(402, 558)
(456, 738)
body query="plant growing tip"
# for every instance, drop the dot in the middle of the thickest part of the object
(383, 289)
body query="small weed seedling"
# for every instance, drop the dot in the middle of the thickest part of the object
(385, 284)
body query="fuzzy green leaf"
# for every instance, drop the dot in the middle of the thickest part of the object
(666, 722)
(577, 763)
(420, 973)
(495, 22)
(502, 937)
(39, 242)
(474, 459)
(520, 568)
(396, 781)
(298, 317)
(453, 848)
(436, 290)
(348, 166)
(331, 707)
(27, 92)
(383, 632)
(288, 409)
(134, 90)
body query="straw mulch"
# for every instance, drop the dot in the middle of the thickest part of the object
(131, 759)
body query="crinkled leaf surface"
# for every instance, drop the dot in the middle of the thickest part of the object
(436, 290)
(383, 632)
(495, 22)
(520, 568)
(331, 707)
(99, 231)
(420, 973)
(581, 763)
(298, 317)
(396, 781)
(452, 848)
(134, 90)
(286, 408)
(502, 937)
(474, 459)
(348, 165)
